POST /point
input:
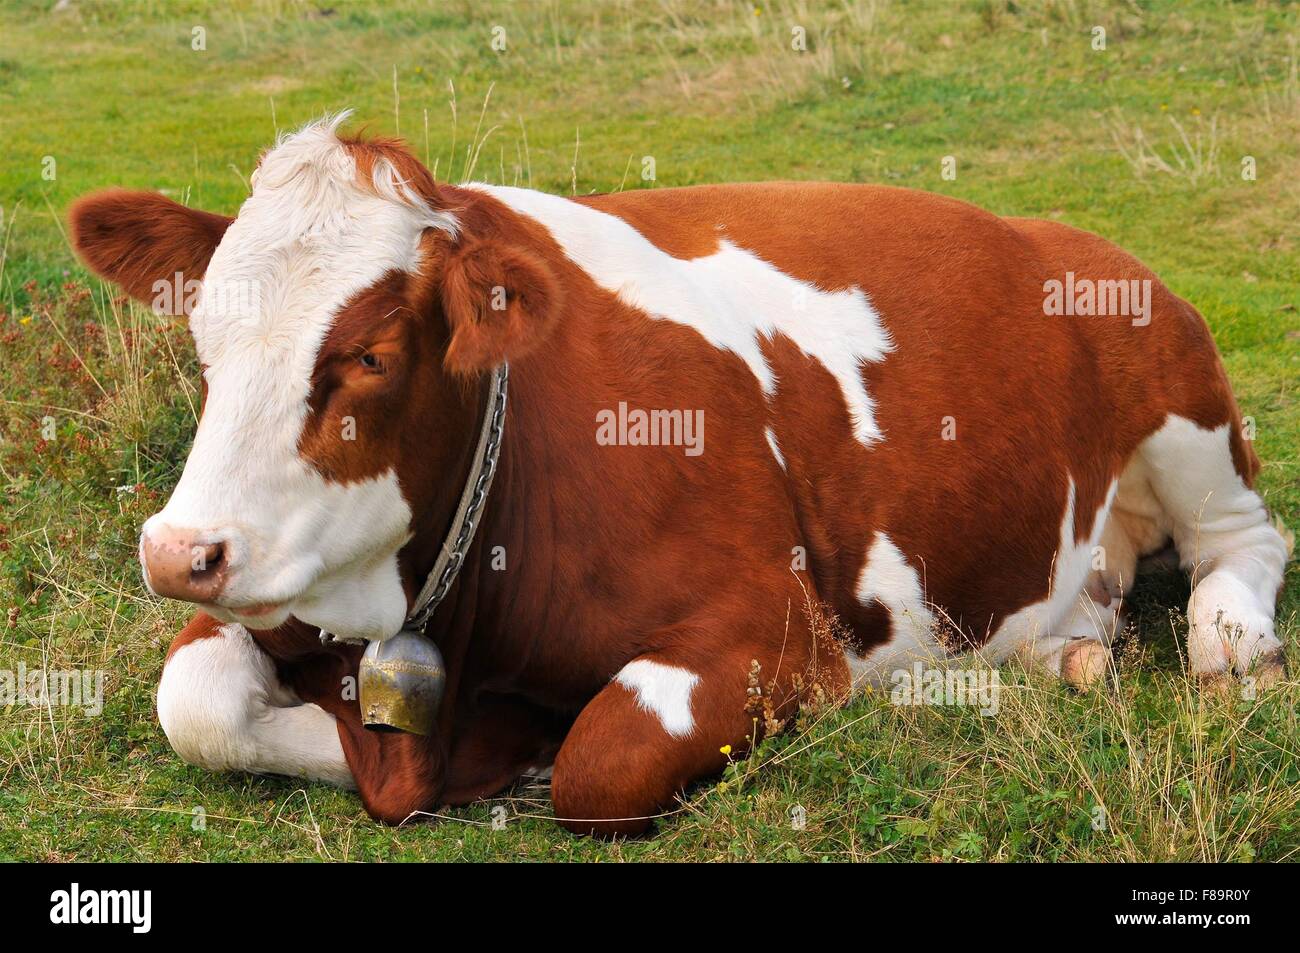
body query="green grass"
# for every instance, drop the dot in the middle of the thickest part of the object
(1040, 124)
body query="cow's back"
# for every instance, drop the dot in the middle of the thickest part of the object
(990, 411)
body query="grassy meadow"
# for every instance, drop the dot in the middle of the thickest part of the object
(1180, 140)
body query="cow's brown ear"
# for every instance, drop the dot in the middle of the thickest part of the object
(136, 239)
(500, 301)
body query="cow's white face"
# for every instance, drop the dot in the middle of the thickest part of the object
(305, 243)
(293, 541)
(254, 531)
(330, 307)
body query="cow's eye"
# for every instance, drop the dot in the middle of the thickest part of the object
(370, 362)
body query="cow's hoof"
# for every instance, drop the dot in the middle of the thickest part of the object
(1084, 663)
(1268, 670)
(1217, 684)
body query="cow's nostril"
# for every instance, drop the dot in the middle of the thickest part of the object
(208, 561)
(179, 568)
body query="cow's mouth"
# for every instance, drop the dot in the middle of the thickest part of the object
(261, 609)
(260, 615)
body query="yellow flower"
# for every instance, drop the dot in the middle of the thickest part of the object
(1195, 111)
(26, 320)
(1164, 107)
(725, 749)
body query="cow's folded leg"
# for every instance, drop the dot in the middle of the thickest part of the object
(223, 707)
(660, 724)
(498, 739)
(1078, 647)
(398, 775)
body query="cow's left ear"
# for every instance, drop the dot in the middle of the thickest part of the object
(500, 300)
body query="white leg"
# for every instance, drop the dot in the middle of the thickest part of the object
(1078, 648)
(223, 708)
(889, 579)
(1225, 540)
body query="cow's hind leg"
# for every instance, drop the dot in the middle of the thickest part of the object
(1228, 543)
(1078, 645)
(223, 707)
(1078, 648)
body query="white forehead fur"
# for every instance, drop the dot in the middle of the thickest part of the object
(315, 175)
(308, 238)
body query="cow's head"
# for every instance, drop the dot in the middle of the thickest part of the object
(344, 319)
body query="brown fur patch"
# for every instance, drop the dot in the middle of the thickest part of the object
(135, 239)
(500, 301)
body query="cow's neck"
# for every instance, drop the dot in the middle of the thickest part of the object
(515, 609)
(465, 519)
(448, 466)
(454, 623)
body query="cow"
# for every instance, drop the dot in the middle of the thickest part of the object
(729, 408)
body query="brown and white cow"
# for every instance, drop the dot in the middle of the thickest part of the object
(891, 421)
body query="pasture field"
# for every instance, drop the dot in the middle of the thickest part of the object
(1145, 141)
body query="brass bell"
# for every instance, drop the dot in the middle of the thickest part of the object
(401, 682)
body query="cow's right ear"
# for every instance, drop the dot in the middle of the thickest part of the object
(136, 239)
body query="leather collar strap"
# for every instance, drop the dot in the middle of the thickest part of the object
(472, 498)
(464, 523)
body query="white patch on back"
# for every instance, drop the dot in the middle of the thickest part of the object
(889, 579)
(733, 297)
(776, 449)
(308, 239)
(663, 690)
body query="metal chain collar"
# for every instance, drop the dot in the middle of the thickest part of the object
(452, 557)
(461, 534)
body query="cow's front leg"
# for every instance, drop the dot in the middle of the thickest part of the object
(398, 775)
(661, 723)
(223, 707)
